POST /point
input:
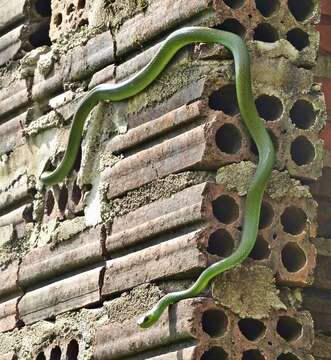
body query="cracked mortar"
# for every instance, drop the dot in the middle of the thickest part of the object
(248, 291)
(157, 189)
(239, 176)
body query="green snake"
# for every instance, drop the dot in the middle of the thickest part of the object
(255, 126)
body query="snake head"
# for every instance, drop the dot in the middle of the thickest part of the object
(146, 321)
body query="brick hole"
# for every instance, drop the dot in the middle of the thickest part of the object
(266, 33)
(234, 4)
(225, 99)
(55, 353)
(302, 151)
(63, 198)
(83, 22)
(215, 353)
(293, 220)
(298, 38)
(267, 7)
(293, 257)
(252, 355)
(267, 215)
(252, 329)
(58, 19)
(220, 243)
(76, 193)
(287, 356)
(41, 356)
(302, 9)
(261, 249)
(289, 328)
(81, 4)
(40, 37)
(228, 139)
(43, 8)
(50, 202)
(214, 323)
(72, 350)
(233, 26)
(225, 209)
(302, 114)
(270, 108)
(70, 8)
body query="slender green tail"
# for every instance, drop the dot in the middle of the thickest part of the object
(254, 124)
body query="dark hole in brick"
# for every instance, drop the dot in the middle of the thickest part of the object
(81, 4)
(252, 355)
(40, 37)
(269, 108)
(220, 243)
(302, 151)
(252, 329)
(293, 220)
(303, 114)
(43, 8)
(78, 160)
(83, 22)
(298, 38)
(234, 4)
(302, 9)
(214, 323)
(228, 139)
(76, 193)
(41, 356)
(55, 353)
(289, 328)
(63, 198)
(50, 202)
(72, 350)
(70, 8)
(267, 7)
(225, 99)
(266, 33)
(215, 353)
(225, 209)
(260, 250)
(233, 26)
(287, 356)
(267, 215)
(58, 19)
(293, 257)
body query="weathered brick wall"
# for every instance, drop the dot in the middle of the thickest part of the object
(157, 193)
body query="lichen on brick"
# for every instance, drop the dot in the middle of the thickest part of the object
(133, 303)
(157, 189)
(238, 177)
(248, 291)
(117, 12)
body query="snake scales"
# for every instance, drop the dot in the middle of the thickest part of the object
(255, 126)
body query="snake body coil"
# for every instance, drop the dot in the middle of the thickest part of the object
(255, 126)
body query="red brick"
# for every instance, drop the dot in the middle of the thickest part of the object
(325, 7)
(325, 134)
(8, 314)
(325, 35)
(45, 263)
(66, 294)
(119, 340)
